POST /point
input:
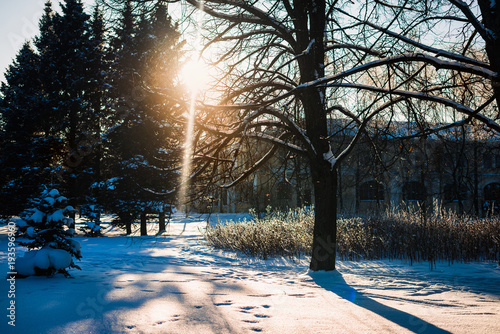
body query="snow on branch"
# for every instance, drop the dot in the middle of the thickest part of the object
(266, 84)
(249, 14)
(249, 34)
(292, 126)
(436, 51)
(426, 97)
(417, 57)
(253, 168)
(406, 57)
(367, 50)
(385, 4)
(278, 141)
(362, 125)
(464, 8)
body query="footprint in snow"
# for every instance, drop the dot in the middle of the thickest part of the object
(198, 306)
(251, 321)
(247, 307)
(226, 303)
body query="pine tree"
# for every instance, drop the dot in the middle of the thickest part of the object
(98, 74)
(50, 245)
(74, 70)
(46, 47)
(91, 212)
(143, 144)
(51, 107)
(28, 151)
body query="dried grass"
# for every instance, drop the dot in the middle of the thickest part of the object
(404, 234)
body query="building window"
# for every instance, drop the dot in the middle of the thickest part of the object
(284, 190)
(491, 199)
(487, 160)
(417, 159)
(492, 192)
(413, 191)
(224, 197)
(371, 191)
(304, 198)
(451, 193)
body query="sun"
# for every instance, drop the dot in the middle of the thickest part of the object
(194, 75)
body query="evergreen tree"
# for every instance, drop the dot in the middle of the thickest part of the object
(51, 107)
(143, 145)
(75, 73)
(50, 85)
(91, 212)
(50, 245)
(28, 151)
(98, 73)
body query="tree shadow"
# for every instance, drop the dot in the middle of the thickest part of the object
(100, 299)
(334, 282)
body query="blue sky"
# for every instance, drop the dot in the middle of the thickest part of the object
(18, 23)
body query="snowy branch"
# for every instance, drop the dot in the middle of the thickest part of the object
(436, 51)
(426, 97)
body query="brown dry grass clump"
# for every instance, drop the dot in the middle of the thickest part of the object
(406, 235)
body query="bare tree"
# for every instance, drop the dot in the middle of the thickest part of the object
(291, 69)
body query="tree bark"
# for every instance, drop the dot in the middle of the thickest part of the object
(325, 226)
(144, 230)
(491, 21)
(310, 26)
(161, 223)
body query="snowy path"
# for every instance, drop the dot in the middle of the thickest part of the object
(174, 284)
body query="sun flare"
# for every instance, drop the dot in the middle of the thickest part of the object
(194, 75)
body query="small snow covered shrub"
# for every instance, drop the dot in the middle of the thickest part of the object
(49, 243)
(92, 215)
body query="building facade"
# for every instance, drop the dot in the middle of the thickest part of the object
(457, 170)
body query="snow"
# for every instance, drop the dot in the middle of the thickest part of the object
(61, 199)
(56, 216)
(53, 193)
(30, 231)
(44, 258)
(176, 284)
(37, 216)
(49, 200)
(328, 156)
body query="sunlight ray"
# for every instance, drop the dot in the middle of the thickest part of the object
(188, 141)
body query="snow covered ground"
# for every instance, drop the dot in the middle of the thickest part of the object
(175, 284)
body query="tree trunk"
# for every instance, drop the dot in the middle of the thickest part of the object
(144, 230)
(161, 223)
(310, 24)
(491, 21)
(475, 191)
(128, 225)
(325, 226)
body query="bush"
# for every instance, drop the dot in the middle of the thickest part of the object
(406, 235)
(42, 230)
(277, 234)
